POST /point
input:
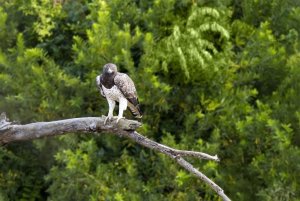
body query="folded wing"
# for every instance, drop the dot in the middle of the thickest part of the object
(126, 86)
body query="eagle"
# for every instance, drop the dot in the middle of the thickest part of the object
(118, 87)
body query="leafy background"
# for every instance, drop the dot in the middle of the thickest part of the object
(222, 77)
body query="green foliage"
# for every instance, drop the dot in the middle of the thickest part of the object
(43, 86)
(263, 60)
(220, 77)
(44, 23)
(197, 43)
(106, 40)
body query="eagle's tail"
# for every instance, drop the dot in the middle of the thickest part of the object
(135, 110)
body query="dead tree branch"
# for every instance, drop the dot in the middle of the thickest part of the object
(125, 128)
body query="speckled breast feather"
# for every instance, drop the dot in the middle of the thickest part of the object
(113, 93)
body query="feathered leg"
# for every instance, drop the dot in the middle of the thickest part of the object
(122, 107)
(111, 105)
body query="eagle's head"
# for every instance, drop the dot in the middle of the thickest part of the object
(110, 69)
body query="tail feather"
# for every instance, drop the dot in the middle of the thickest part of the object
(135, 110)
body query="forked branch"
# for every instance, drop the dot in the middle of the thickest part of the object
(10, 132)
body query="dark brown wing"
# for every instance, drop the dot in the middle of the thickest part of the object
(126, 86)
(99, 85)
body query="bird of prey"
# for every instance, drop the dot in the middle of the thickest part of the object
(115, 86)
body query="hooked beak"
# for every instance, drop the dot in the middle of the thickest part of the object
(109, 71)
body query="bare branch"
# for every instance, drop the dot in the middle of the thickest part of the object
(124, 128)
(186, 165)
(142, 140)
(10, 133)
(198, 155)
(3, 121)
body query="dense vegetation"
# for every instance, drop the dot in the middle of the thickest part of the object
(222, 77)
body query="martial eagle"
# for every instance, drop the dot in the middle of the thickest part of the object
(115, 86)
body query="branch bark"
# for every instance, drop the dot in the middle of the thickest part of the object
(125, 128)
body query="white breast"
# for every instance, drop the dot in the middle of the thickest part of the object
(113, 93)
